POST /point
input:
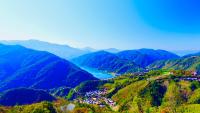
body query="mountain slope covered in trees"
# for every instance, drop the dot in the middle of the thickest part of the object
(186, 63)
(22, 96)
(144, 57)
(106, 61)
(22, 67)
(154, 92)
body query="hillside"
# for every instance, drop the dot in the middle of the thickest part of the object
(42, 107)
(63, 51)
(154, 92)
(144, 57)
(22, 96)
(161, 95)
(22, 67)
(106, 61)
(186, 63)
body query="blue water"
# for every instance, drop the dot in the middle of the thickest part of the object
(98, 74)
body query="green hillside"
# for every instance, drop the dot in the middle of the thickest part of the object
(22, 96)
(154, 92)
(185, 63)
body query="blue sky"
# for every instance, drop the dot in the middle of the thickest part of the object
(122, 24)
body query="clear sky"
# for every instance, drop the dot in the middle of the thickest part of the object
(122, 24)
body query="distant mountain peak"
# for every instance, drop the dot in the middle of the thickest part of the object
(112, 50)
(63, 51)
(89, 49)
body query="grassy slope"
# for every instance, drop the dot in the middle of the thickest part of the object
(165, 96)
(188, 63)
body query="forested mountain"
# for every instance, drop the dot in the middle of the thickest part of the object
(22, 67)
(144, 57)
(186, 63)
(106, 61)
(63, 51)
(23, 96)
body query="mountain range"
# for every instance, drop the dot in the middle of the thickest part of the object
(23, 67)
(26, 73)
(144, 57)
(63, 51)
(124, 61)
(106, 61)
(133, 60)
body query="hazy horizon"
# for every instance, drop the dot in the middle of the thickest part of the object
(178, 52)
(132, 24)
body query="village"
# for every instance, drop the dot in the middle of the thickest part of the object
(190, 76)
(190, 79)
(97, 97)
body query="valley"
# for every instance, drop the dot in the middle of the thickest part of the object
(133, 81)
(99, 56)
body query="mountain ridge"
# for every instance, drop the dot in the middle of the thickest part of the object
(63, 51)
(106, 61)
(23, 67)
(191, 63)
(144, 57)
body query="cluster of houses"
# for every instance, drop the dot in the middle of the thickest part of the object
(190, 79)
(193, 76)
(96, 93)
(97, 97)
(110, 102)
(191, 73)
